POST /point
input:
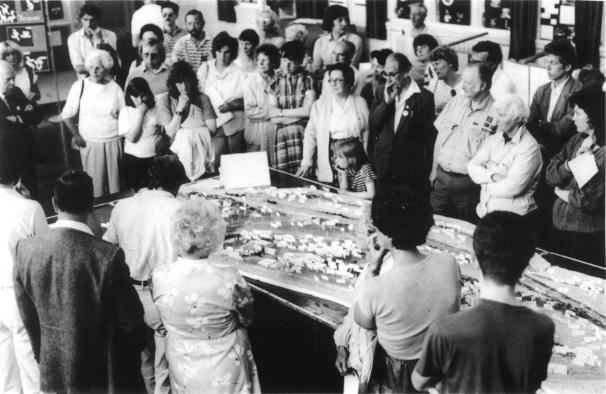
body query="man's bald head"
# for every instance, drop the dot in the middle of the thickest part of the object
(344, 52)
(7, 76)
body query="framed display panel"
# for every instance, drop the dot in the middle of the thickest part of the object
(457, 12)
(23, 22)
(497, 14)
(557, 19)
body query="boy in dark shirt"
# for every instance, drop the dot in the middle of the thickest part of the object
(497, 345)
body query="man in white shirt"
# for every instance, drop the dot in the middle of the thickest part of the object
(490, 53)
(84, 41)
(507, 166)
(150, 12)
(21, 218)
(140, 225)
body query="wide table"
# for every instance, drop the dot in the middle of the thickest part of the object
(576, 302)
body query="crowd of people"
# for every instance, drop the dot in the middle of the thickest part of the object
(417, 136)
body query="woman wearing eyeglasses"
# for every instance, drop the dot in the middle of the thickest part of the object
(334, 117)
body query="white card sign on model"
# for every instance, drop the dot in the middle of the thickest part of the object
(244, 170)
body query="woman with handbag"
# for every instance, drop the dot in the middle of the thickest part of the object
(141, 123)
(91, 114)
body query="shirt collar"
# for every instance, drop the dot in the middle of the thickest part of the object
(480, 106)
(162, 67)
(343, 37)
(84, 35)
(405, 94)
(72, 224)
(195, 40)
(517, 135)
(559, 86)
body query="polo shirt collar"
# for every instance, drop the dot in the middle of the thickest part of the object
(72, 224)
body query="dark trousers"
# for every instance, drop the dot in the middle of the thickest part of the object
(135, 171)
(455, 195)
(532, 221)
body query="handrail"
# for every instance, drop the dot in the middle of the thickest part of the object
(532, 58)
(467, 39)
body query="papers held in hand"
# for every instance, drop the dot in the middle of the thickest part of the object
(583, 168)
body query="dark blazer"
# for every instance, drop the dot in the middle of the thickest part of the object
(404, 157)
(82, 314)
(20, 136)
(554, 134)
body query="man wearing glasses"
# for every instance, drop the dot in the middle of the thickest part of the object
(402, 127)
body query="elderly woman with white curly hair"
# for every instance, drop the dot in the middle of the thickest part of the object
(508, 164)
(206, 307)
(91, 115)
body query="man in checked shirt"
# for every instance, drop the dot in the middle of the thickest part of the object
(462, 127)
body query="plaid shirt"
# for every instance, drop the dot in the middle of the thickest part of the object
(289, 89)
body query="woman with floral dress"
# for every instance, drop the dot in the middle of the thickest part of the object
(206, 307)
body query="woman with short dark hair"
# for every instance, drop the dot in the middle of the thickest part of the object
(222, 80)
(403, 290)
(578, 212)
(259, 132)
(447, 82)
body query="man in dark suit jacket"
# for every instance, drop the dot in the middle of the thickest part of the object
(83, 317)
(402, 126)
(17, 114)
(550, 119)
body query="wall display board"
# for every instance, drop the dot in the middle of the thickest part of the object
(403, 8)
(497, 14)
(457, 12)
(557, 19)
(23, 22)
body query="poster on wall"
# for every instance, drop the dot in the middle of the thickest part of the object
(497, 14)
(55, 10)
(456, 12)
(403, 8)
(22, 21)
(557, 19)
(31, 5)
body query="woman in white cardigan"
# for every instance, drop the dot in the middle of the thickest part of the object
(333, 117)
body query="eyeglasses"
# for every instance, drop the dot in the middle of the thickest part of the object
(390, 75)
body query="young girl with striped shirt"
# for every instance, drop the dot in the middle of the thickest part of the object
(355, 174)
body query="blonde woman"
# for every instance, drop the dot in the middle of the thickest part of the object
(206, 307)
